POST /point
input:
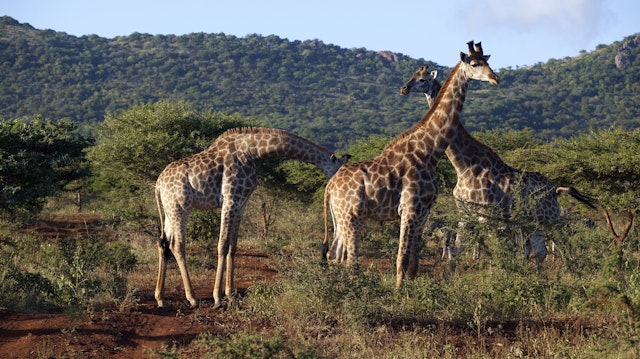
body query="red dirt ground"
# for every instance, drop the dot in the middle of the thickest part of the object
(144, 330)
(133, 334)
(124, 334)
(112, 333)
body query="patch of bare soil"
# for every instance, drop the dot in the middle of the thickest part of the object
(110, 333)
(145, 329)
(134, 334)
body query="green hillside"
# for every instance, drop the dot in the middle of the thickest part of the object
(330, 94)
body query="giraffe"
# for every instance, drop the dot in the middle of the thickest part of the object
(485, 179)
(400, 182)
(222, 176)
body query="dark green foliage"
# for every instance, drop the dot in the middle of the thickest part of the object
(52, 274)
(20, 288)
(136, 145)
(366, 149)
(502, 141)
(605, 164)
(306, 178)
(329, 94)
(246, 345)
(323, 92)
(38, 158)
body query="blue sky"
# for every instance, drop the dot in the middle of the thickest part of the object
(515, 32)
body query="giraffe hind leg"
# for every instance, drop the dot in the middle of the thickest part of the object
(165, 249)
(178, 251)
(162, 271)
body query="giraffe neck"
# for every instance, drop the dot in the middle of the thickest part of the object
(258, 143)
(433, 92)
(432, 134)
(465, 152)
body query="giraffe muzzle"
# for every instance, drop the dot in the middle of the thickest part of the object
(493, 79)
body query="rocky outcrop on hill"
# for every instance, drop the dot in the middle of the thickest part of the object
(625, 54)
(389, 56)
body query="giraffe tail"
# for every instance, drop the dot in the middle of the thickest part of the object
(587, 200)
(162, 241)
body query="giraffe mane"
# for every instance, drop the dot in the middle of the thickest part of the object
(264, 130)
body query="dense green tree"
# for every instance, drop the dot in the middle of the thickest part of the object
(366, 149)
(604, 163)
(38, 158)
(502, 141)
(317, 90)
(134, 147)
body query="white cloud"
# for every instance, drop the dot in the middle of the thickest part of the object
(571, 19)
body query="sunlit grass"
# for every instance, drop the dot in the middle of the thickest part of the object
(583, 304)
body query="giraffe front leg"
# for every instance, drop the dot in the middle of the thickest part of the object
(227, 243)
(232, 238)
(462, 236)
(414, 259)
(411, 227)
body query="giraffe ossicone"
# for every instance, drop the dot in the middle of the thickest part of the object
(400, 183)
(222, 176)
(483, 179)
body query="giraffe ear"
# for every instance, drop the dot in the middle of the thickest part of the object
(463, 56)
(486, 57)
(434, 73)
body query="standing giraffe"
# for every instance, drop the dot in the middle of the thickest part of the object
(222, 176)
(484, 179)
(400, 182)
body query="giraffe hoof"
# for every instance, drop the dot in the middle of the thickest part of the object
(193, 304)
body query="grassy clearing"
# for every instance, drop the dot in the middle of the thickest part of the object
(585, 303)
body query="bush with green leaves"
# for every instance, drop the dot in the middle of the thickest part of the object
(38, 158)
(604, 163)
(133, 147)
(246, 345)
(63, 274)
(21, 288)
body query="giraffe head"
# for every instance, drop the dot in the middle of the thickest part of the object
(476, 66)
(424, 82)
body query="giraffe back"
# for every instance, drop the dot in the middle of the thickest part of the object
(250, 144)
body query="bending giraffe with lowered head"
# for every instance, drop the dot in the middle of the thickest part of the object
(400, 182)
(222, 176)
(484, 179)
